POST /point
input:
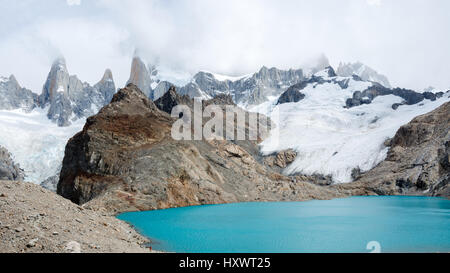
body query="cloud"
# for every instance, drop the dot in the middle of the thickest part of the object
(405, 39)
(73, 2)
(89, 46)
(374, 2)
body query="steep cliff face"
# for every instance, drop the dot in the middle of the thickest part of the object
(125, 159)
(13, 96)
(363, 71)
(8, 169)
(141, 77)
(418, 160)
(70, 99)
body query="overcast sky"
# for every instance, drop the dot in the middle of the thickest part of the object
(407, 40)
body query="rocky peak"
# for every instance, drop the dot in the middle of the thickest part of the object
(293, 93)
(331, 72)
(14, 81)
(69, 98)
(363, 71)
(106, 88)
(161, 89)
(141, 77)
(130, 100)
(171, 99)
(57, 82)
(9, 170)
(418, 159)
(221, 99)
(107, 76)
(13, 96)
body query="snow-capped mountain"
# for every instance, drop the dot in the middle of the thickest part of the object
(332, 139)
(246, 90)
(363, 71)
(251, 89)
(35, 129)
(69, 99)
(13, 96)
(140, 76)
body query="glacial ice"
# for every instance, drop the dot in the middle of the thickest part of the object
(36, 143)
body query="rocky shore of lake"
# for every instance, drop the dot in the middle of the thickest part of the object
(35, 220)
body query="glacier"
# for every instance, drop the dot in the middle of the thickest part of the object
(36, 143)
(333, 140)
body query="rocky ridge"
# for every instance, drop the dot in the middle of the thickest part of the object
(13, 96)
(362, 71)
(418, 159)
(246, 90)
(409, 97)
(366, 96)
(70, 99)
(250, 90)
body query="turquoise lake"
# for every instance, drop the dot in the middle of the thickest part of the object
(394, 224)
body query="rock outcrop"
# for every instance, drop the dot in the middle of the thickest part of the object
(50, 183)
(35, 220)
(362, 71)
(281, 159)
(365, 97)
(13, 96)
(418, 159)
(9, 170)
(125, 159)
(70, 99)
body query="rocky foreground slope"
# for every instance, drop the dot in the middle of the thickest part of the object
(34, 220)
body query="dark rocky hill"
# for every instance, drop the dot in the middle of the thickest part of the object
(125, 159)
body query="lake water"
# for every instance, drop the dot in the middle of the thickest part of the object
(386, 224)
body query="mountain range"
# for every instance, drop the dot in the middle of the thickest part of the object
(326, 117)
(64, 96)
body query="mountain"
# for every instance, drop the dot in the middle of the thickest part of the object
(161, 89)
(418, 161)
(69, 99)
(140, 76)
(125, 159)
(8, 169)
(32, 136)
(363, 71)
(246, 90)
(35, 220)
(338, 125)
(13, 96)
